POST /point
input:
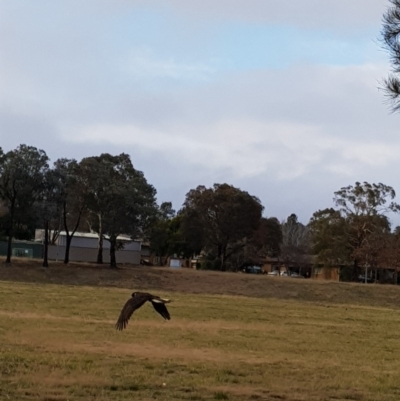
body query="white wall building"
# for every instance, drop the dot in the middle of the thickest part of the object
(84, 248)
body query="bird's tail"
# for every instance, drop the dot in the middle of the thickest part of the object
(161, 301)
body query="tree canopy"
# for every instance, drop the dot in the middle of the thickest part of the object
(119, 196)
(295, 248)
(390, 37)
(223, 217)
(21, 181)
(352, 233)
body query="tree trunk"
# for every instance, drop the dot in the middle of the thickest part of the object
(100, 251)
(355, 270)
(100, 245)
(69, 236)
(223, 259)
(67, 249)
(113, 243)
(46, 244)
(223, 263)
(10, 235)
(9, 246)
(56, 232)
(66, 256)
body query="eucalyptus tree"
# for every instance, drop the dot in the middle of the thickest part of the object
(95, 181)
(222, 219)
(161, 232)
(295, 247)
(330, 240)
(268, 237)
(266, 241)
(120, 196)
(390, 253)
(72, 198)
(349, 233)
(3, 220)
(48, 207)
(167, 237)
(21, 182)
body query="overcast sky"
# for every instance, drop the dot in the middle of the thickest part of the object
(280, 98)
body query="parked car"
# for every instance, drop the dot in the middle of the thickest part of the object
(361, 279)
(296, 275)
(253, 270)
(274, 273)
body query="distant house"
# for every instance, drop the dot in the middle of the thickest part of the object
(326, 273)
(147, 256)
(310, 269)
(145, 252)
(84, 248)
(176, 262)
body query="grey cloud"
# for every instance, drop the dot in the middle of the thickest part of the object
(350, 15)
(345, 100)
(336, 126)
(328, 14)
(327, 126)
(323, 123)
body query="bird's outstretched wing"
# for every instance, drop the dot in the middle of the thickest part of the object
(160, 307)
(130, 306)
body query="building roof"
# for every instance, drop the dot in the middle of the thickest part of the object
(122, 237)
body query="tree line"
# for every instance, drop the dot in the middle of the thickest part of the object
(227, 225)
(105, 194)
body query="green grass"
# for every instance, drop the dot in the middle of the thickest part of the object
(58, 343)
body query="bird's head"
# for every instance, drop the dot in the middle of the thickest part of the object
(134, 294)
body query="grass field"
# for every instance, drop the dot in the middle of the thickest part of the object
(58, 342)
